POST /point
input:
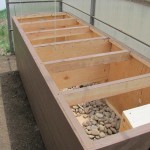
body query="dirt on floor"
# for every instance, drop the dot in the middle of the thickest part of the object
(18, 128)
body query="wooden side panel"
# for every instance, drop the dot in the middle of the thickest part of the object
(134, 139)
(55, 129)
(69, 50)
(132, 99)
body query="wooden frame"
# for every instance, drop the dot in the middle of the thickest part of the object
(118, 73)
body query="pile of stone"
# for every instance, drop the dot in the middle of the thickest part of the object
(100, 121)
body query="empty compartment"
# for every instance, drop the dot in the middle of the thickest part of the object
(67, 37)
(73, 49)
(42, 17)
(52, 24)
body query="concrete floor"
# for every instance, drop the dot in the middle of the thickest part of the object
(18, 128)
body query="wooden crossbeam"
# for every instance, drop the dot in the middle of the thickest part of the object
(70, 42)
(87, 61)
(67, 37)
(50, 24)
(39, 16)
(73, 49)
(108, 89)
(57, 32)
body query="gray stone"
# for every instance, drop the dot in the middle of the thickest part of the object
(92, 113)
(102, 123)
(87, 110)
(91, 136)
(75, 107)
(99, 115)
(84, 124)
(89, 128)
(96, 118)
(93, 127)
(81, 111)
(107, 125)
(107, 114)
(102, 134)
(101, 127)
(113, 130)
(88, 132)
(93, 122)
(109, 132)
(113, 124)
(118, 125)
(97, 137)
(105, 130)
(95, 132)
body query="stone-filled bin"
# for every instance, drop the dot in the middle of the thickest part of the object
(63, 63)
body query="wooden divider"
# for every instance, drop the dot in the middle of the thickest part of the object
(52, 24)
(87, 61)
(105, 90)
(61, 38)
(57, 32)
(41, 17)
(63, 50)
(56, 54)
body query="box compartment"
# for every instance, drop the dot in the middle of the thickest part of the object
(63, 61)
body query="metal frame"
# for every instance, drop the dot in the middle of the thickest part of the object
(61, 3)
(92, 11)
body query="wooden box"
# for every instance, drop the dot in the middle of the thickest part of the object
(56, 52)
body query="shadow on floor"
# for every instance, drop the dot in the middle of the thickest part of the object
(23, 131)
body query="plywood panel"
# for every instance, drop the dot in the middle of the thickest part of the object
(81, 76)
(69, 50)
(51, 120)
(132, 99)
(53, 39)
(53, 24)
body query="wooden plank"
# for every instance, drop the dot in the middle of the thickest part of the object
(87, 61)
(31, 71)
(45, 18)
(70, 42)
(105, 90)
(73, 49)
(140, 58)
(53, 24)
(68, 79)
(62, 38)
(133, 139)
(57, 32)
(65, 124)
(36, 17)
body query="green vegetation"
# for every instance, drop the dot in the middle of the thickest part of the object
(4, 42)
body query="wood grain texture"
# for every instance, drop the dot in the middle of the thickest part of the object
(105, 90)
(73, 49)
(36, 35)
(59, 128)
(55, 129)
(87, 61)
(40, 17)
(53, 24)
(61, 38)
